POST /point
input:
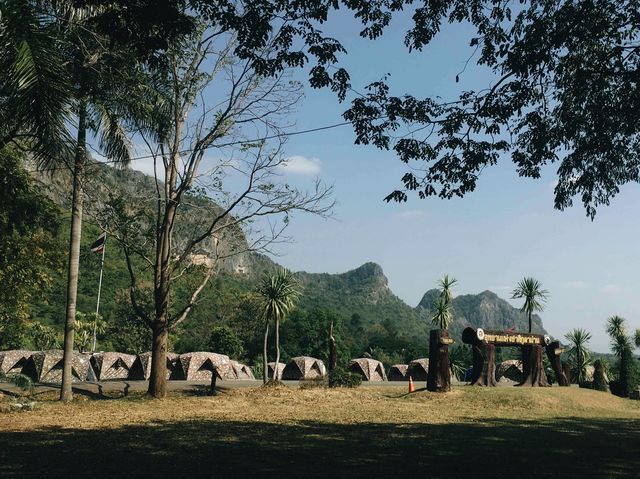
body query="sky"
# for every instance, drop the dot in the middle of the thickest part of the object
(505, 230)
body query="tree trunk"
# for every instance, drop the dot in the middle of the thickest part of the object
(158, 376)
(265, 361)
(553, 353)
(66, 393)
(529, 321)
(275, 369)
(333, 351)
(484, 365)
(532, 368)
(439, 374)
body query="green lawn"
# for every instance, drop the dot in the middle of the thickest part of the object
(330, 433)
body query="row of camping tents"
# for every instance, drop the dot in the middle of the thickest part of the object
(46, 366)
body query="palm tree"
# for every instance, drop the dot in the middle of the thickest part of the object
(443, 312)
(35, 92)
(278, 293)
(617, 331)
(534, 296)
(579, 353)
(622, 347)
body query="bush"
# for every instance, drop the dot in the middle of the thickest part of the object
(341, 378)
(599, 378)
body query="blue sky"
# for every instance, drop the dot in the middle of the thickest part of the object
(490, 239)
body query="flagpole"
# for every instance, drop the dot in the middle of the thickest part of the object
(95, 323)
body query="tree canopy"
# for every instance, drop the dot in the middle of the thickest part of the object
(565, 93)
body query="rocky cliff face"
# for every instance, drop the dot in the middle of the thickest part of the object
(485, 310)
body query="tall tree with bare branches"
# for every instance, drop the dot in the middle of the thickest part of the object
(204, 108)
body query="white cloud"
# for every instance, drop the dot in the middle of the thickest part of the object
(611, 289)
(576, 284)
(301, 165)
(410, 214)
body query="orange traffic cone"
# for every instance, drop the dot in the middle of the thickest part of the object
(411, 386)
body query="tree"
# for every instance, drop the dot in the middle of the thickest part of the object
(224, 341)
(534, 296)
(563, 91)
(578, 353)
(85, 326)
(29, 254)
(82, 83)
(599, 376)
(43, 337)
(228, 196)
(278, 293)
(622, 347)
(443, 313)
(637, 338)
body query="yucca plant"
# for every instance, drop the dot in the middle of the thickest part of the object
(443, 311)
(578, 353)
(534, 296)
(622, 347)
(278, 294)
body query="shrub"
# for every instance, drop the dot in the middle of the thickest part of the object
(599, 378)
(341, 378)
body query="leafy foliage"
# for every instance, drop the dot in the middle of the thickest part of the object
(622, 347)
(564, 91)
(224, 341)
(341, 378)
(534, 296)
(599, 376)
(578, 353)
(29, 250)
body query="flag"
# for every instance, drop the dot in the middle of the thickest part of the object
(98, 245)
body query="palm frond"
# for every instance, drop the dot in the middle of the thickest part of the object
(534, 296)
(36, 88)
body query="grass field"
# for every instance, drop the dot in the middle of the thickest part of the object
(374, 432)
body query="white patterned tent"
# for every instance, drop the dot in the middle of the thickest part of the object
(303, 367)
(418, 369)
(198, 366)
(240, 371)
(270, 367)
(510, 369)
(369, 369)
(14, 360)
(398, 372)
(111, 365)
(141, 367)
(46, 366)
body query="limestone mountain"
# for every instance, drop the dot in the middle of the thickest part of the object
(484, 310)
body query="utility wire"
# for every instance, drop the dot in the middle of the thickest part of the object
(219, 145)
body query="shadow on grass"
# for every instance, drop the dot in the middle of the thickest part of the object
(558, 448)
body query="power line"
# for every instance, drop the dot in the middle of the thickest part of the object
(221, 145)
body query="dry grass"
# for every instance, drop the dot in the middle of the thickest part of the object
(287, 431)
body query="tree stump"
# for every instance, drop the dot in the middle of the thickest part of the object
(439, 374)
(553, 353)
(532, 368)
(484, 365)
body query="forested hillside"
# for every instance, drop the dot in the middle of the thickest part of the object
(369, 319)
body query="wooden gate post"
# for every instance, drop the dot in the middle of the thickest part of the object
(439, 374)
(553, 353)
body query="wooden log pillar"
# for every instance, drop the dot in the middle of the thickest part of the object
(439, 374)
(532, 368)
(566, 368)
(553, 353)
(484, 365)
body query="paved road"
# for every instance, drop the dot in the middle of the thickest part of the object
(113, 387)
